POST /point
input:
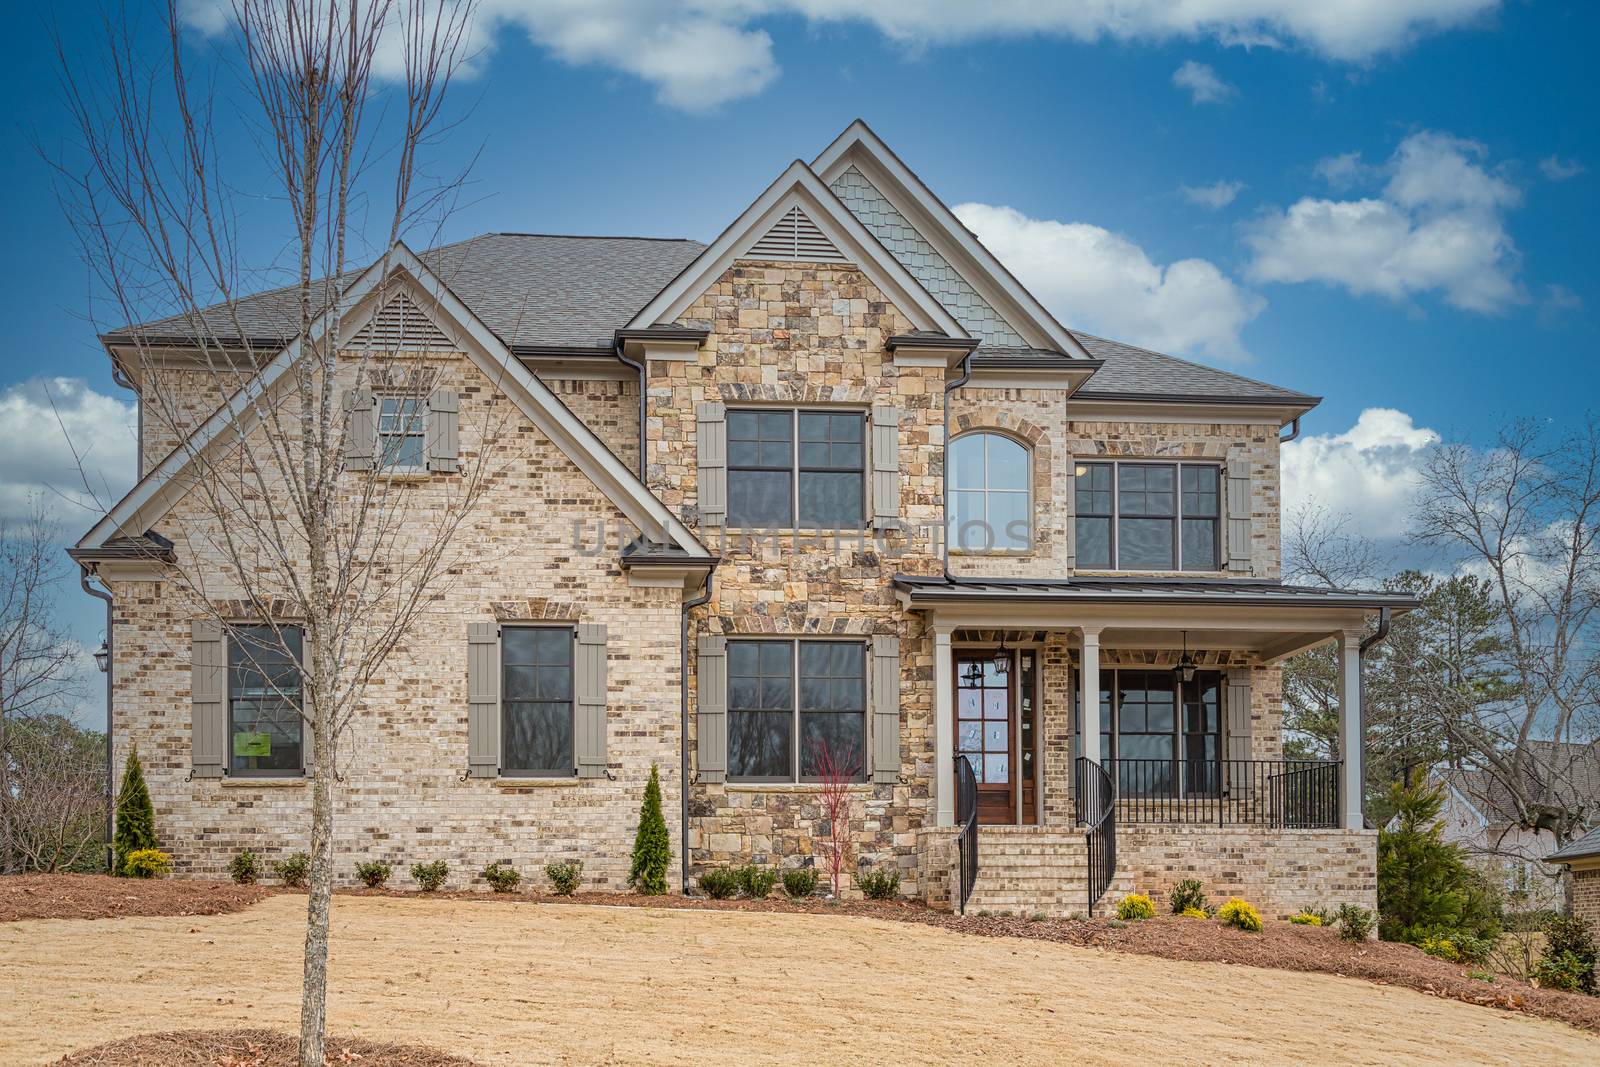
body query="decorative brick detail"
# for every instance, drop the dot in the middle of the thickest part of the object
(536, 609)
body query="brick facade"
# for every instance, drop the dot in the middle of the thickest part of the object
(1586, 893)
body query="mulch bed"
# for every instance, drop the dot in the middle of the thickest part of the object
(99, 896)
(249, 1048)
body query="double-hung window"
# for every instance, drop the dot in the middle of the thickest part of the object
(794, 707)
(1148, 516)
(264, 700)
(796, 469)
(402, 433)
(536, 701)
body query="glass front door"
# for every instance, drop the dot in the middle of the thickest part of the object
(995, 732)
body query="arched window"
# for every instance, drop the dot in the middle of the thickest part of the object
(990, 507)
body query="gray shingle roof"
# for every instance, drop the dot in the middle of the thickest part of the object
(1134, 371)
(1587, 845)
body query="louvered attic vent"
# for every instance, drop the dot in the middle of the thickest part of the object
(795, 236)
(402, 326)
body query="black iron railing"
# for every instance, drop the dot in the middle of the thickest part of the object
(1097, 810)
(967, 821)
(1286, 794)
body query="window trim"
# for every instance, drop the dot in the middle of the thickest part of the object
(228, 638)
(1219, 518)
(507, 771)
(423, 418)
(794, 778)
(794, 468)
(1027, 491)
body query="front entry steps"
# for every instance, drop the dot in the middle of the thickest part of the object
(1031, 869)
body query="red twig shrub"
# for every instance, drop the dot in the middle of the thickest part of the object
(836, 772)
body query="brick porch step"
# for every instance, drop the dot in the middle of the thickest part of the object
(1029, 869)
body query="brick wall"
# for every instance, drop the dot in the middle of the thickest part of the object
(609, 408)
(1586, 894)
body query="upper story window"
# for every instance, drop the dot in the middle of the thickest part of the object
(1148, 516)
(777, 730)
(402, 433)
(264, 724)
(796, 469)
(991, 506)
(536, 700)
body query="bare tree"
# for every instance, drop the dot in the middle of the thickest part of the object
(37, 658)
(335, 560)
(57, 794)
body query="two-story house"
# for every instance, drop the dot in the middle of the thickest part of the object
(834, 489)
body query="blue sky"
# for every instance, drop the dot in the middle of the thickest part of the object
(1394, 209)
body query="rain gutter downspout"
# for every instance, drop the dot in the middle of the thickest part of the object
(1294, 431)
(950, 387)
(1361, 673)
(683, 723)
(639, 366)
(99, 594)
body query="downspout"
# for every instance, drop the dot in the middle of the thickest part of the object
(1361, 688)
(111, 665)
(683, 723)
(950, 387)
(639, 366)
(1294, 431)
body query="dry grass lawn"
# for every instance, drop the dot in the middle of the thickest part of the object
(569, 984)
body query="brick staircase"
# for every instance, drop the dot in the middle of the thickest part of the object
(1028, 869)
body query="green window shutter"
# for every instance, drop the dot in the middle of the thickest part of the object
(711, 456)
(209, 727)
(885, 466)
(589, 684)
(885, 709)
(444, 419)
(483, 700)
(1239, 738)
(361, 430)
(1239, 514)
(1069, 514)
(711, 723)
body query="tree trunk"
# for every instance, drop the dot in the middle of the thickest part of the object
(314, 994)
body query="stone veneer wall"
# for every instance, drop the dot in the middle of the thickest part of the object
(402, 798)
(1279, 871)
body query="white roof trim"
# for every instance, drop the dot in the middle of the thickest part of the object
(797, 186)
(163, 486)
(860, 147)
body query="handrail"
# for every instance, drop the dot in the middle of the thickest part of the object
(1097, 810)
(1295, 794)
(967, 837)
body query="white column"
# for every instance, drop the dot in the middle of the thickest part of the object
(944, 729)
(1351, 739)
(1089, 692)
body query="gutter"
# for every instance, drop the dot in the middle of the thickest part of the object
(1370, 641)
(683, 725)
(950, 387)
(111, 665)
(1294, 431)
(644, 441)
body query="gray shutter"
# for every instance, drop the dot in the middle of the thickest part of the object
(1069, 515)
(711, 723)
(711, 455)
(443, 430)
(589, 682)
(209, 728)
(886, 709)
(1239, 746)
(483, 700)
(361, 431)
(885, 466)
(1239, 514)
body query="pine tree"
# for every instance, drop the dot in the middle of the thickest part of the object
(652, 850)
(1425, 887)
(136, 819)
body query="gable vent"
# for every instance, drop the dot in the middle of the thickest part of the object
(795, 236)
(402, 326)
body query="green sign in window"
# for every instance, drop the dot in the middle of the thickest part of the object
(252, 744)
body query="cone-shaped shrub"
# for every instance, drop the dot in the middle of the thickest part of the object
(652, 850)
(136, 819)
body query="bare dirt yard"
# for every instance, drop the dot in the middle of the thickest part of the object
(529, 983)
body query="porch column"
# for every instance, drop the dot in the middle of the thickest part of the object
(944, 729)
(1351, 734)
(1089, 692)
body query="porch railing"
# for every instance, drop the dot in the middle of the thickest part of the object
(1284, 794)
(1097, 810)
(967, 821)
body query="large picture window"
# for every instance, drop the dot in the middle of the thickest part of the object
(1148, 516)
(265, 729)
(1151, 724)
(990, 502)
(777, 729)
(789, 469)
(536, 701)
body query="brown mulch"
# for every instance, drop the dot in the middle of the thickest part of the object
(99, 896)
(249, 1048)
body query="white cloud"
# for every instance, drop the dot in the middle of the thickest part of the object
(698, 54)
(1215, 196)
(1202, 83)
(1559, 170)
(1437, 226)
(1558, 302)
(1343, 171)
(43, 422)
(1370, 472)
(1106, 283)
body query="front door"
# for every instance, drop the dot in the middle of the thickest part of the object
(985, 726)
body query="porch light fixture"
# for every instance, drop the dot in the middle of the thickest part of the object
(1186, 666)
(1002, 656)
(102, 657)
(973, 675)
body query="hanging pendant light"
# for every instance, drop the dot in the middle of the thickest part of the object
(1002, 656)
(1186, 666)
(973, 675)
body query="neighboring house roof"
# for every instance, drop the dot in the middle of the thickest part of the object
(1553, 772)
(1584, 847)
